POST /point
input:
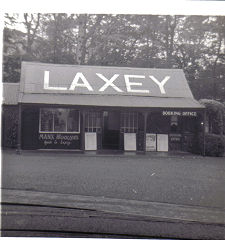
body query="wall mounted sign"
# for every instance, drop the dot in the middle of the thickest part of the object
(175, 137)
(180, 113)
(58, 140)
(162, 142)
(90, 141)
(150, 142)
(130, 141)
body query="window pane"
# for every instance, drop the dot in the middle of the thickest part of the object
(122, 120)
(86, 121)
(126, 120)
(93, 119)
(98, 120)
(73, 121)
(60, 120)
(131, 120)
(46, 120)
(136, 121)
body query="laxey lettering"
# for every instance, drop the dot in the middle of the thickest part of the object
(132, 86)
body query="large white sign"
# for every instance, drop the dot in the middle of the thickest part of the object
(162, 142)
(130, 141)
(150, 142)
(131, 82)
(90, 141)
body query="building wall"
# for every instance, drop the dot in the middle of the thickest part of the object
(32, 138)
(184, 136)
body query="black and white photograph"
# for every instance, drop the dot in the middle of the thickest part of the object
(113, 124)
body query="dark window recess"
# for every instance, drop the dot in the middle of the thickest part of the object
(189, 125)
(156, 123)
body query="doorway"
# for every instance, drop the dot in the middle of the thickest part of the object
(111, 130)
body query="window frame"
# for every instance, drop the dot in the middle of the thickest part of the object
(90, 116)
(55, 132)
(127, 124)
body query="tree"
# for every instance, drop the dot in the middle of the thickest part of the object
(215, 113)
(31, 23)
(194, 43)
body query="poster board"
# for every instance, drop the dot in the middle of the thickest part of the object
(90, 141)
(162, 142)
(150, 142)
(130, 141)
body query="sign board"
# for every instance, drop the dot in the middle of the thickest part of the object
(76, 79)
(59, 141)
(150, 142)
(180, 113)
(90, 141)
(130, 141)
(175, 137)
(162, 142)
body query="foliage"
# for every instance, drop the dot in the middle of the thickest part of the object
(10, 126)
(215, 113)
(214, 145)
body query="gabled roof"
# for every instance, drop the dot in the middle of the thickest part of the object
(143, 81)
(104, 86)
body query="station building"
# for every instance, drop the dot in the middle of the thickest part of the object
(98, 108)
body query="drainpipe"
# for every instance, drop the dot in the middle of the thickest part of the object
(145, 127)
(204, 120)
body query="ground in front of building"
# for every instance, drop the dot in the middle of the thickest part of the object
(169, 178)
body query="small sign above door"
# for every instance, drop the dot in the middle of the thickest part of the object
(179, 113)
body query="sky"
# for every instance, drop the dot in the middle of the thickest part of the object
(117, 6)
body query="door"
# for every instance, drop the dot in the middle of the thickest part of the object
(93, 130)
(30, 128)
(111, 129)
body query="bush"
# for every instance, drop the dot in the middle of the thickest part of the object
(215, 112)
(9, 126)
(214, 144)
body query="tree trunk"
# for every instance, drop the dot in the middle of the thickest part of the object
(81, 43)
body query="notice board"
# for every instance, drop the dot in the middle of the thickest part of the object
(90, 141)
(130, 141)
(150, 142)
(162, 142)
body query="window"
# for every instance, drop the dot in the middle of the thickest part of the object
(93, 121)
(129, 122)
(60, 120)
